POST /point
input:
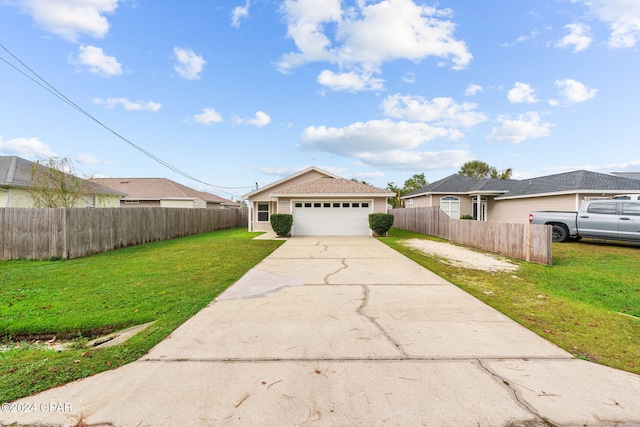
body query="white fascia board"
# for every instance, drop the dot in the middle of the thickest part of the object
(331, 195)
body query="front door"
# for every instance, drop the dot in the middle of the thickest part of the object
(481, 214)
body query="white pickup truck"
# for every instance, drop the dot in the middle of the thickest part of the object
(611, 219)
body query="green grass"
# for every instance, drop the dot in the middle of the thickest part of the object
(166, 282)
(575, 303)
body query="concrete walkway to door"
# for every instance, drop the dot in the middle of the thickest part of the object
(331, 331)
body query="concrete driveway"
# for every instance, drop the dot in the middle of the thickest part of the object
(333, 331)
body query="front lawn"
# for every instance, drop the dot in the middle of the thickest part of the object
(166, 282)
(587, 302)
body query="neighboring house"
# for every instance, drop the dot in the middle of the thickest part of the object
(512, 200)
(17, 179)
(162, 192)
(321, 204)
(632, 175)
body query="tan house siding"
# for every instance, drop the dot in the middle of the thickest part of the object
(379, 205)
(517, 210)
(177, 204)
(20, 199)
(139, 203)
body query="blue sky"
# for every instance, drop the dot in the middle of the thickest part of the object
(235, 93)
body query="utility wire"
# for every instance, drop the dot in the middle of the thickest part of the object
(55, 92)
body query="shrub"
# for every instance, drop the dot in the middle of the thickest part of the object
(281, 224)
(466, 217)
(380, 223)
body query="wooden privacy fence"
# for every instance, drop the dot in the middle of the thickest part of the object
(75, 232)
(522, 241)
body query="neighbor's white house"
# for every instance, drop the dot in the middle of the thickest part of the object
(16, 179)
(509, 200)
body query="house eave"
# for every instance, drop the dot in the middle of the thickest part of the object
(330, 195)
(564, 193)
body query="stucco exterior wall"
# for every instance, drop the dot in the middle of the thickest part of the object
(140, 203)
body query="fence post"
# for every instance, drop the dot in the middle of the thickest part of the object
(528, 248)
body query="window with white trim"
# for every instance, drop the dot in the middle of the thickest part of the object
(451, 206)
(263, 212)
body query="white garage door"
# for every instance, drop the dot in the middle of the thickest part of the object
(331, 218)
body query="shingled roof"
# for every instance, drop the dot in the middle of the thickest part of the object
(578, 181)
(331, 186)
(570, 182)
(17, 172)
(157, 189)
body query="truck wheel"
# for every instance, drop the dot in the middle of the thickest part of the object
(559, 233)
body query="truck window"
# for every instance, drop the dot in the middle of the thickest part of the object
(602, 208)
(631, 209)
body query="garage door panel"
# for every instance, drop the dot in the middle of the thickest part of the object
(326, 220)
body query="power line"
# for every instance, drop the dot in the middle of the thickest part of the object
(55, 92)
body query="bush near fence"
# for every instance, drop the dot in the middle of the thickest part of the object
(76, 232)
(521, 241)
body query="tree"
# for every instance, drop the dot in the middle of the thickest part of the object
(361, 182)
(416, 181)
(53, 184)
(503, 174)
(478, 169)
(395, 200)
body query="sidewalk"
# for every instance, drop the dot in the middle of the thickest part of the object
(331, 331)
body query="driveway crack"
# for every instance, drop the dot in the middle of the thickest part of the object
(521, 402)
(344, 265)
(360, 311)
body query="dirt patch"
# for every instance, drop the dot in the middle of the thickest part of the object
(461, 257)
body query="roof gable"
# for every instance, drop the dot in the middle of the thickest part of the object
(308, 174)
(334, 186)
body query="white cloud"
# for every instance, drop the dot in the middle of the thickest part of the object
(473, 89)
(261, 119)
(128, 105)
(574, 91)
(372, 136)
(189, 65)
(70, 18)
(361, 38)
(208, 116)
(385, 143)
(26, 147)
(417, 160)
(89, 160)
(409, 78)
(349, 81)
(578, 37)
(367, 176)
(522, 92)
(97, 61)
(238, 13)
(525, 126)
(441, 111)
(623, 17)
